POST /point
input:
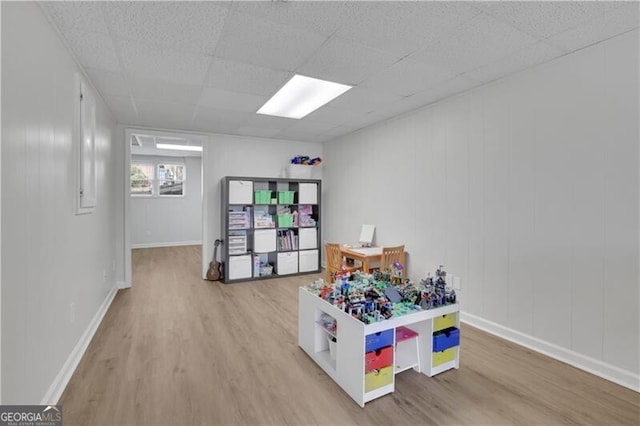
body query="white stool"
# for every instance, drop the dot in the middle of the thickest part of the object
(407, 350)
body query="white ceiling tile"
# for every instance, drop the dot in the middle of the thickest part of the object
(345, 62)
(335, 116)
(318, 16)
(223, 99)
(392, 110)
(363, 99)
(218, 120)
(186, 26)
(542, 19)
(299, 134)
(449, 88)
(268, 121)
(168, 115)
(407, 77)
(122, 108)
(403, 27)
(94, 50)
(310, 126)
(612, 23)
(86, 16)
(481, 41)
(533, 55)
(252, 40)
(236, 76)
(150, 62)
(144, 88)
(305, 130)
(108, 82)
(262, 132)
(317, 139)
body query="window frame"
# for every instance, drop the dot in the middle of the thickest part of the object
(154, 163)
(152, 178)
(159, 181)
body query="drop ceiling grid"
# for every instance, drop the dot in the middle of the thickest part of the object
(406, 77)
(208, 66)
(346, 62)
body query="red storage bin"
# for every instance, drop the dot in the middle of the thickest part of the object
(377, 359)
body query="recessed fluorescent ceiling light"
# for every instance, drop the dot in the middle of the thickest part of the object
(178, 147)
(301, 96)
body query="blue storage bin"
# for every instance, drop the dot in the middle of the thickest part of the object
(446, 339)
(378, 340)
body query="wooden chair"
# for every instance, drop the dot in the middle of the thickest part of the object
(334, 261)
(390, 255)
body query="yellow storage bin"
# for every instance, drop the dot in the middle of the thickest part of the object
(444, 356)
(445, 321)
(378, 378)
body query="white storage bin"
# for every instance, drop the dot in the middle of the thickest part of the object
(299, 171)
(308, 260)
(287, 263)
(307, 238)
(308, 193)
(239, 267)
(264, 240)
(240, 192)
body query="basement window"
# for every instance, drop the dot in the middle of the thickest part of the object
(170, 179)
(157, 178)
(142, 178)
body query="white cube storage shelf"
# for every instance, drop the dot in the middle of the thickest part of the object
(308, 193)
(309, 260)
(348, 367)
(258, 219)
(264, 240)
(287, 263)
(240, 192)
(239, 267)
(308, 238)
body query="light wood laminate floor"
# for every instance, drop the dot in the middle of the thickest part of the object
(177, 350)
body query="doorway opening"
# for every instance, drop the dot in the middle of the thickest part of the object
(164, 190)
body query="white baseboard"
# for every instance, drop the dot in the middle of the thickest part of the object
(122, 285)
(62, 379)
(154, 245)
(599, 368)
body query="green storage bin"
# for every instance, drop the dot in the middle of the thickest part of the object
(285, 220)
(285, 197)
(262, 197)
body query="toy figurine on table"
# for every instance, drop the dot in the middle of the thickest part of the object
(397, 273)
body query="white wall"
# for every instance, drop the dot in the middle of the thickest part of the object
(51, 257)
(243, 156)
(528, 190)
(169, 221)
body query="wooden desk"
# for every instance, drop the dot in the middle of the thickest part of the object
(366, 255)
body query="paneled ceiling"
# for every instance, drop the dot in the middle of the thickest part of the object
(209, 66)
